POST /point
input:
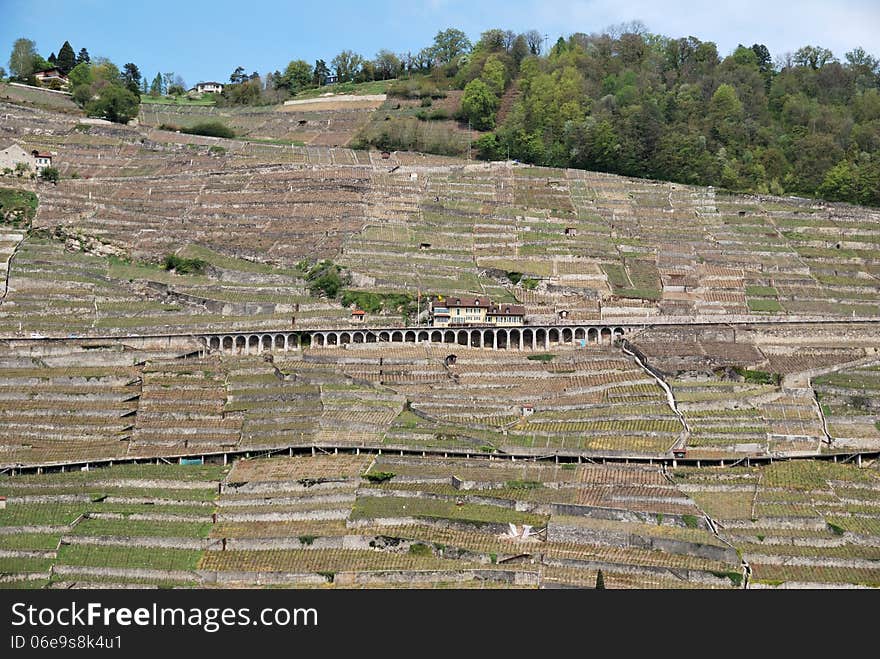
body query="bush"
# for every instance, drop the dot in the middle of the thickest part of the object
(419, 549)
(210, 129)
(50, 174)
(325, 279)
(378, 302)
(115, 103)
(435, 115)
(380, 476)
(424, 88)
(183, 266)
(171, 127)
(758, 377)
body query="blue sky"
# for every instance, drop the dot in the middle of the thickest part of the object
(207, 40)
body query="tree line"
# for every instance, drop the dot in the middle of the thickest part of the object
(624, 101)
(634, 103)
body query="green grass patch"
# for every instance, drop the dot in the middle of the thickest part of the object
(29, 541)
(156, 558)
(541, 358)
(762, 304)
(761, 291)
(347, 88)
(209, 129)
(142, 528)
(18, 207)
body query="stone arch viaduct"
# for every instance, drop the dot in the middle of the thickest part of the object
(528, 337)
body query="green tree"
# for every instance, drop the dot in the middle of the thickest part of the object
(479, 105)
(50, 174)
(494, 75)
(347, 64)
(296, 77)
(813, 57)
(81, 74)
(115, 103)
(156, 86)
(387, 65)
(725, 114)
(66, 58)
(600, 580)
(131, 77)
(22, 61)
(520, 50)
(320, 73)
(238, 76)
(83, 56)
(449, 45)
(841, 183)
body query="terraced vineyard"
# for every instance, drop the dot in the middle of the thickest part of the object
(751, 337)
(360, 521)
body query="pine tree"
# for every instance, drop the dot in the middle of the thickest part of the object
(83, 57)
(156, 86)
(600, 580)
(66, 58)
(52, 59)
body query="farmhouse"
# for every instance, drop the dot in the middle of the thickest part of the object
(209, 88)
(42, 159)
(35, 160)
(453, 311)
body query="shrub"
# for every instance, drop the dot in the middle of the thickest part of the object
(171, 127)
(380, 476)
(325, 279)
(50, 174)
(418, 549)
(690, 521)
(758, 377)
(210, 129)
(183, 266)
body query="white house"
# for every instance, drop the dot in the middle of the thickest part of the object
(48, 75)
(35, 160)
(42, 159)
(209, 87)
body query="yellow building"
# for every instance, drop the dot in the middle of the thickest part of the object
(458, 311)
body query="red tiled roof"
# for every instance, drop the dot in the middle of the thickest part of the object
(358, 313)
(455, 302)
(507, 310)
